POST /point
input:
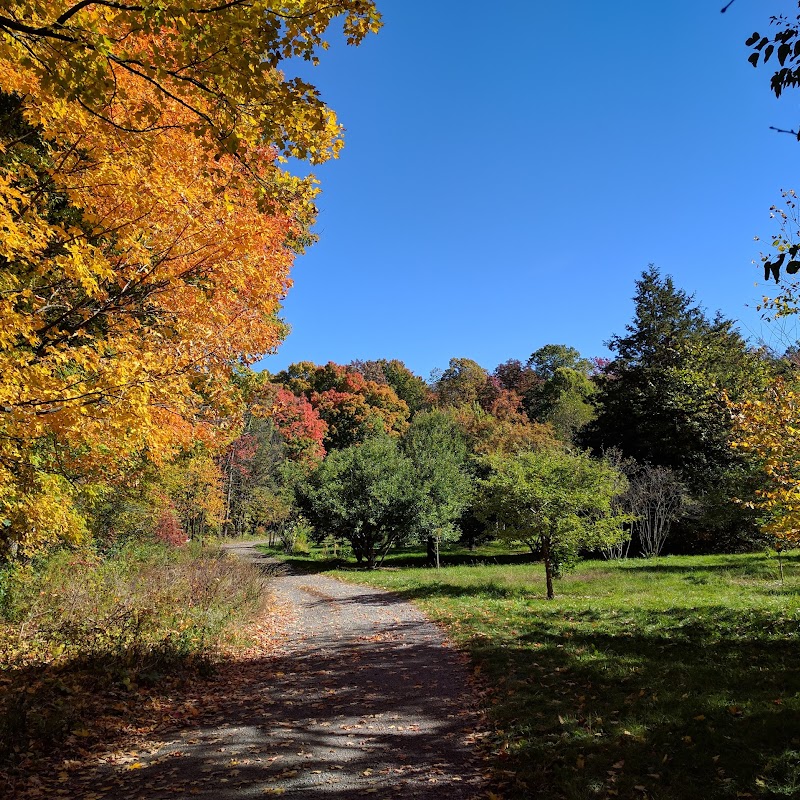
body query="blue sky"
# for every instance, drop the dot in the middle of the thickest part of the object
(511, 168)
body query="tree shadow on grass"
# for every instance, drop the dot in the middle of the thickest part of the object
(437, 590)
(676, 710)
(756, 565)
(314, 566)
(462, 560)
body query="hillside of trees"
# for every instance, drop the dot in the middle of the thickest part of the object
(370, 456)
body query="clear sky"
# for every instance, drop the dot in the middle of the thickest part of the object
(511, 168)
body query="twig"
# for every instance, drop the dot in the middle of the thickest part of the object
(782, 130)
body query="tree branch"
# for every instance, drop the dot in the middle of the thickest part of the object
(781, 130)
(70, 12)
(12, 25)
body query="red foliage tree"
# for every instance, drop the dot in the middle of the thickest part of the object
(300, 425)
(168, 529)
(352, 406)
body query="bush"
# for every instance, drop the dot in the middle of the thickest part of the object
(78, 624)
(295, 536)
(139, 609)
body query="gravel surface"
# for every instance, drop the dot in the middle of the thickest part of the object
(363, 697)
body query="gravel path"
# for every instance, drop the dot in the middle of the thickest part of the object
(363, 697)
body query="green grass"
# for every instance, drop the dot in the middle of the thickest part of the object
(669, 678)
(321, 559)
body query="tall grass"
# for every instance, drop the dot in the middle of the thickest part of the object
(77, 622)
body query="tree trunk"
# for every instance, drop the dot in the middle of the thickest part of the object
(548, 566)
(228, 467)
(431, 554)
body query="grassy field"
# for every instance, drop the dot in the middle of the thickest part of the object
(669, 678)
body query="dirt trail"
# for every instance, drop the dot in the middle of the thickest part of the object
(362, 696)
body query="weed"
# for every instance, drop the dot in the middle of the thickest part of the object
(77, 621)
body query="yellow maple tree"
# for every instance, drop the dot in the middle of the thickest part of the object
(148, 228)
(769, 429)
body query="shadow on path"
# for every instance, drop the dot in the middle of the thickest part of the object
(361, 698)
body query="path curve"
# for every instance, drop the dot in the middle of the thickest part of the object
(363, 697)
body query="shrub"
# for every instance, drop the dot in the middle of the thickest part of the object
(138, 609)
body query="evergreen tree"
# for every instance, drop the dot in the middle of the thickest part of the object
(662, 400)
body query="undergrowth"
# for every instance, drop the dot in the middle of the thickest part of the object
(77, 623)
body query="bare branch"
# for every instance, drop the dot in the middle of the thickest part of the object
(782, 130)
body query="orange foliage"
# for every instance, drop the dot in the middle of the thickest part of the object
(488, 435)
(147, 236)
(352, 406)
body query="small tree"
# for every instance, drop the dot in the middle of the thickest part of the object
(624, 467)
(437, 449)
(655, 498)
(365, 494)
(555, 502)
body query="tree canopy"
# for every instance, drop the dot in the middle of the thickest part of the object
(555, 502)
(437, 449)
(366, 495)
(127, 63)
(149, 226)
(662, 399)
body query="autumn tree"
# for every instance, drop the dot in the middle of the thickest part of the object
(281, 434)
(768, 428)
(410, 388)
(236, 465)
(123, 63)
(194, 485)
(517, 377)
(112, 344)
(556, 502)
(487, 434)
(352, 407)
(461, 383)
(149, 227)
(299, 424)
